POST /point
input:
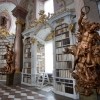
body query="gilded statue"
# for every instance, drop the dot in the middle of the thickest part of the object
(42, 18)
(86, 69)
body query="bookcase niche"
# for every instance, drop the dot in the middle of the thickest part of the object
(26, 71)
(63, 81)
(3, 51)
(40, 58)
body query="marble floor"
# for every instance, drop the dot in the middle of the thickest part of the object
(24, 92)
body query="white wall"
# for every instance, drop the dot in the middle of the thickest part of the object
(48, 7)
(49, 57)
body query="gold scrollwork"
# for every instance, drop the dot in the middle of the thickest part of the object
(42, 18)
(19, 21)
(50, 36)
(4, 32)
(71, 27)
(33, 40)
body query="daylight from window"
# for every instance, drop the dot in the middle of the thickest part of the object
(49, 7)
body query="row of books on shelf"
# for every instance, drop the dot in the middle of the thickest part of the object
(62, 30)
(27, 70)
(58, 44)
(3, 53)
(2, 60)
(4, 40)
(27, 64)
(2, 57)
(62, 36)
(27, 79)
(60, 50)
(60, 26)
(2, 77)
(64, 65)
(2, 46)
(2, 50)
(64, 88)
(63, 73)
(27, 55)
(26, 50)
(4, 43)
(64, 42)
(27, 46)
(2, 64)
(64, 80)
(27, 40)
(64, 57)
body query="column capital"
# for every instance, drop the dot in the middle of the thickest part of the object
(33, 40)
(19, 12)
(20, 21)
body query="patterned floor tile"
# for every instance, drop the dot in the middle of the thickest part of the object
(23, 94)
(30, 97)
(18, 93)
(6, 93)
(17, 99)
(11, 96)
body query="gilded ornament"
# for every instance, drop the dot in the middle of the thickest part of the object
(19, 21)
(42, 18)
(4, 32)
(86, 68)
(59, 21)
(33, 40)
(71, 27)
(50, 36)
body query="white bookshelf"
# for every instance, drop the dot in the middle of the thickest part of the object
(26, 71)
(29, 62)
(63, 82)
(40, 58)
(3, 51)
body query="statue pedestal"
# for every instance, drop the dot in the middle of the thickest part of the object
(13, 79)
(94, 96)
(17, 79)
(9, 79)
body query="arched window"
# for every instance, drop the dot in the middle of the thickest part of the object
(3, 21)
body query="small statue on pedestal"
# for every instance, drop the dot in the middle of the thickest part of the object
(86, 69)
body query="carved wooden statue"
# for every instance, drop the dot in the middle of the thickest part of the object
(86, 69)
(9, 68)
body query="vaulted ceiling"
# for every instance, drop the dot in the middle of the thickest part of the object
(16, 2)
(21, 3)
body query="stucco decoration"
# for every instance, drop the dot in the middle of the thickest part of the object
(31, 14)
(33, 40)
(42, 18)
(50, 36)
